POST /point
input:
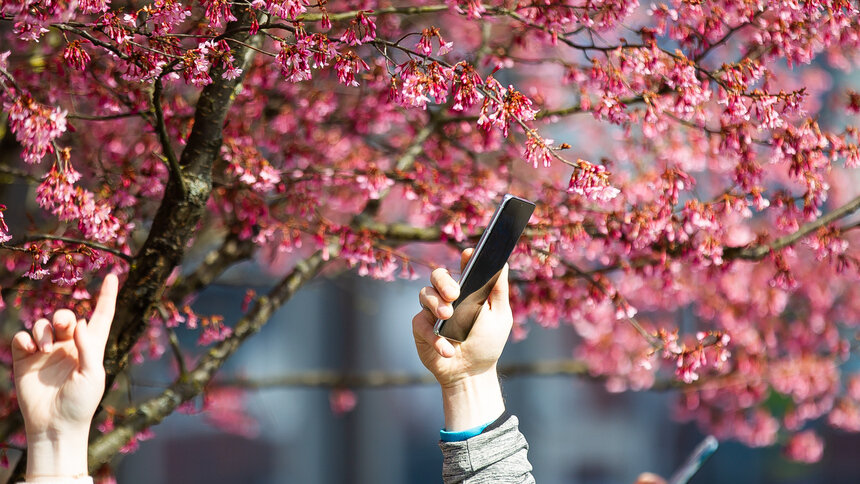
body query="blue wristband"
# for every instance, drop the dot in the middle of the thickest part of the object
(462, 435)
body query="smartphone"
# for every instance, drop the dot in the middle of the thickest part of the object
(700, 454)
(487, 261)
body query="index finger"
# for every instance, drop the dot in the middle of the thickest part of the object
(105, 306)
(445, 284)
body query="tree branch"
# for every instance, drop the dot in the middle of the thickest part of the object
(231, 251)
(68, 240)
(758, 252)
(161, 129)
(176, 219)
(18, 173)
(194, 382)
(384, 379)
(316, 17)
(108, 117)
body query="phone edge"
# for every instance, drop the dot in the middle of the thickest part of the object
(706, 448)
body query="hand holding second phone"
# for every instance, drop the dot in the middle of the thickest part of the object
(466, 370)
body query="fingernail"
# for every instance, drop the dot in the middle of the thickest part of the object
(47, 347)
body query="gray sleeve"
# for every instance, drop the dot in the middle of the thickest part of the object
(499, 455)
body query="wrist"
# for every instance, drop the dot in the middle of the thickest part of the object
(57, 454)
(472, 401)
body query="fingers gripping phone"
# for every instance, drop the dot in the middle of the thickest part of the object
(482, 271)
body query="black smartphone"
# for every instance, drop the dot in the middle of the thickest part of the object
(487, 261)
(694, 462)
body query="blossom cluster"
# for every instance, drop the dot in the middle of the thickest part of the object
(35, 125)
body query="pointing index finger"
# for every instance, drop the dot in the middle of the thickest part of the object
(103, 314)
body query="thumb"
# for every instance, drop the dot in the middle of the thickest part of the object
(500, 294)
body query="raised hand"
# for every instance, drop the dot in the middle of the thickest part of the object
(60, 379)
(449, 360)
(466, 371)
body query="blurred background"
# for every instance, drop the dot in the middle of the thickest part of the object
(578, 432)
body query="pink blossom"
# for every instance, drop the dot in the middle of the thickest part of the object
(592, 182)
(196, 67)
(134, 443)
(75, 55)
(69, 276)
(36, 273)
(347, 66)
(225, 409)
(472, 8)
(214, 331)
(374, 182)
(538, 151)
(504, 107)
(423, 83)
(845, 415)
(287, 9)
(852, 157)
(58, 194)
(4, 229)
(342, 401)
(117, 27)
(323, 52)
(293, 60)
(465, 87)
(805, 446)
(361, 29)
(107, 425)
(218, 12)
(191, 320)
(165, 15)
(35, 126)
(424, 45)
(94, 6)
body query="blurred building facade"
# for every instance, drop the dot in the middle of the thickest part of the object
(578, 432)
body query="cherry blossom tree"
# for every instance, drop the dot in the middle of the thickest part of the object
(693, 164)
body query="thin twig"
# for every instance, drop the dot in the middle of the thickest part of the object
(108, 117)
(161, 128)
(68, 240)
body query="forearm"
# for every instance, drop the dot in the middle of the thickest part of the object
(473, 401)
(498, 454)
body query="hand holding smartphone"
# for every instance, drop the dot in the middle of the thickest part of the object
(482, 271)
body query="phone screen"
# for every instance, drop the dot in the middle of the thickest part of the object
(480, 275)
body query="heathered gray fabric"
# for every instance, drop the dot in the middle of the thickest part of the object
(499, 455)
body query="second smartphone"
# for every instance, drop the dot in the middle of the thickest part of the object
(495, 246)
